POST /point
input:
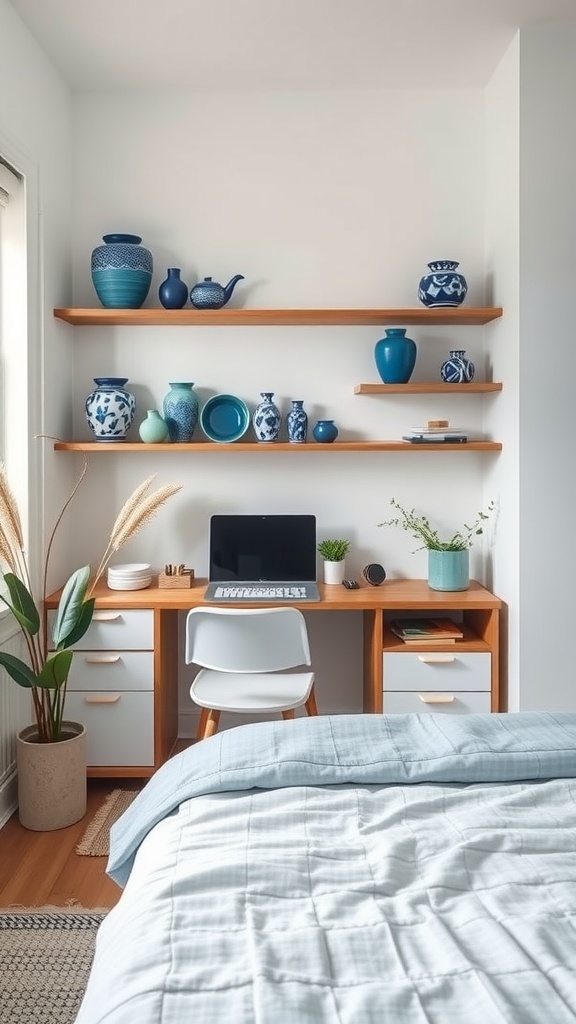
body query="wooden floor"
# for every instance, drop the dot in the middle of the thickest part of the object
(43, 869)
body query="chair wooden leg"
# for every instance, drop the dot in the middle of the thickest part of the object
(311, 703)
(211, 723)
(202, 724)
(288, 714)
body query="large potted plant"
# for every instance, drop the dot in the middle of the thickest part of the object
(448, 560)
(51, 759)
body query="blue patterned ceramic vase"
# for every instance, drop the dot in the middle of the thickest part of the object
(325, 431)
(443, 286)
(180, 407)
(266, 418)
(297, 422)
(448, 570)
(395, 356)
(457, 369)
(154, 429)
(173, 292)
(121, 271)
(110, 409)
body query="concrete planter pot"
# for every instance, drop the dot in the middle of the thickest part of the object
(51, 778)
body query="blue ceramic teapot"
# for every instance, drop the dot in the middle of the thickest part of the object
(208, 294)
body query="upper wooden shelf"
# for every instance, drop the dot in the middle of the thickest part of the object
(274, 446)
(276, 317)
(425, 388)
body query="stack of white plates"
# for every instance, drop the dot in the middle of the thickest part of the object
(132, 576)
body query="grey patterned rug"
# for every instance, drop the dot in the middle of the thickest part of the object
(45, 960)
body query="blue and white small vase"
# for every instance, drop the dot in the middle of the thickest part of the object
(395, 356)
(266, 418)
(121, 271)
(173, 292)
(110, 409)
(443, 286)
(458, 369)
(297, 422)
(325, 431)
(180, 408)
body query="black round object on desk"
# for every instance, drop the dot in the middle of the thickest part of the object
(374, 574)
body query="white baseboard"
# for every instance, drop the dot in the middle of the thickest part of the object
(8, 797)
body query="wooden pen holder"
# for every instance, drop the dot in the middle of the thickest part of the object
(183, 581)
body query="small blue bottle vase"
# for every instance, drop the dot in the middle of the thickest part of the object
(395, 356)
(173, 292)
(297, 422)
(325, 431)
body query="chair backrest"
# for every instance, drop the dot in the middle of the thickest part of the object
(247, 640)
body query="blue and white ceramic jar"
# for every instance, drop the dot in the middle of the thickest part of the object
(297, 422)
(395, 356)
(110, 409)
(266, 418)
(443, 286)
(180, 408)
(121, 271)
(458, 369)
(325, 431)
(173, 292)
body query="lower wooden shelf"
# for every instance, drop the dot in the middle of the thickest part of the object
(108, 447)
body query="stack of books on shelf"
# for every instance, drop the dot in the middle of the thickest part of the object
(424, 632)
(436, 435)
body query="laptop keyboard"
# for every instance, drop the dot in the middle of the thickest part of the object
(268, 593)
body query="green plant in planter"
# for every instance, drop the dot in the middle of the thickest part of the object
(46, 673)
(333, 550)
(420, 528)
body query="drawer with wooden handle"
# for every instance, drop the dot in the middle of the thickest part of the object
(435, 670)
(116, 629)
(112, 670)
(446, 702)
(119, 726)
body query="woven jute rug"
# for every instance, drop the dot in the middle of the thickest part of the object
(96, 839)
(45, 958)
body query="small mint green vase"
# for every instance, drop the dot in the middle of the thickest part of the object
(153, 430)
(448, 570)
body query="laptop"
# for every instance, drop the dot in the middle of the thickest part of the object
(262, 558)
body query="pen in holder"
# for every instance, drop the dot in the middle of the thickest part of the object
(176, 577)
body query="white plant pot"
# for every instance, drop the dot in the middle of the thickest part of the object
(334, 572)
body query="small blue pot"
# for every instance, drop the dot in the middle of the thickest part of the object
(449, 570)
(325, 431)
(173, 292)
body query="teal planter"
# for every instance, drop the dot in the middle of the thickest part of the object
(449, 570)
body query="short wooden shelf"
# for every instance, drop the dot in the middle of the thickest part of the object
(276, 317)
(428, 388)
(120, 447)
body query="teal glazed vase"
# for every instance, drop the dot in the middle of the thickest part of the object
(121, 271)
(449, 570)
(154, 429)
(395, 356)
(325, 431)
(180, 408)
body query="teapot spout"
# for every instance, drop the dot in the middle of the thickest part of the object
(229, 288)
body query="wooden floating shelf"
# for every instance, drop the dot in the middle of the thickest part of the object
(274, 446)
(276, 317)
(423, 388)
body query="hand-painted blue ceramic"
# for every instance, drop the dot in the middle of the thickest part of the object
(121, 271)
(110, 409)
(209, 294)
(442, 286)
(458, 369)
(180, 408)
(266, 419)
(297, 422)
(224, 418)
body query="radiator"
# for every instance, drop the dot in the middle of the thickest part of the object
(15, 713)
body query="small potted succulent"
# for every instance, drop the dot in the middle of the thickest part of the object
(448, 560)
(334, 553)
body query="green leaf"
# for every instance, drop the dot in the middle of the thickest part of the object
(70, 607)
(86, 612)
(55, 671)
(18, 670)
(22, 604)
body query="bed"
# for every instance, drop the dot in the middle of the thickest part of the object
(354, 869)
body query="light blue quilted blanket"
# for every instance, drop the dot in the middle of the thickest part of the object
(351, 749)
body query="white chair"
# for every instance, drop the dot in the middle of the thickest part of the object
(243, 655)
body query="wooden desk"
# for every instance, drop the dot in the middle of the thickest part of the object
(479, 609)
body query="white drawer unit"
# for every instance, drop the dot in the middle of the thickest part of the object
(119, 726)
(130, 629)
(442, 682)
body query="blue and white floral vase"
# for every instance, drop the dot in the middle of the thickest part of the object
(121, 271)
(443, 286)
(266, 418)
(395, 356)
(110, 409)
(297, 422)
(458, 369)
(180, 409)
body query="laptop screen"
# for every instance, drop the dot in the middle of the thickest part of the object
(274, 548)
